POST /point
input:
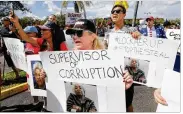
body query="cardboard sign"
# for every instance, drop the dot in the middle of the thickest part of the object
(37, 76)
(90, 67)
(71, 18)
(170, 91)
(16, 49)
(174, 34)
(160, 51)
(99, 68)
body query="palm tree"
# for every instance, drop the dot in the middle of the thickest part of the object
(78, 6)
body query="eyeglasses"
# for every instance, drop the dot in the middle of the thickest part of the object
(117, 11)
(79, 33)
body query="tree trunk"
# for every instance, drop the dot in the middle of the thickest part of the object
(84, 11)
(135, 13)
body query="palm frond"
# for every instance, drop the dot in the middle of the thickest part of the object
(80, 5)
(64, 4)
(76, 8)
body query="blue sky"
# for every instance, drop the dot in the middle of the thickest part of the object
(165, 9)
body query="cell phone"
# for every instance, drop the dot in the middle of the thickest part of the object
(12, 9)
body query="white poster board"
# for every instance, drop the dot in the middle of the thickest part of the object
(98, 68)
(174, 34)
(16, 49)
(69, 41)
(171, 92)
(35, 69)
(146, 48)
(71, 18)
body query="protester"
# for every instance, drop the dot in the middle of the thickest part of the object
(78, 102)
(138, 74)
(151, 30)
(166, 25)
(31, 32)
(85, 38)
(100, 30)
(51, 39)
(8, 31)
(118, 14)
(52, 18)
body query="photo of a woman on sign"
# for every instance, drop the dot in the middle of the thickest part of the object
(77, 102)
(136, 72)
(39, 75)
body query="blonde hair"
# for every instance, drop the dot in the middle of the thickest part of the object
(97, 45)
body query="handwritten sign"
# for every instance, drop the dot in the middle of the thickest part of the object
(16, 49)
(147, 48)
(99, 68)
(174, 34)
(71, 18)
(84, 66)
(37, 85)
(161, 51)
(170, 91)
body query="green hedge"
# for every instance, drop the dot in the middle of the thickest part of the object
(11, 75)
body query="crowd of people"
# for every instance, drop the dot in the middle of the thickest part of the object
(51, 37)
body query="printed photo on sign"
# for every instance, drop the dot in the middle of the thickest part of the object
(39, 75)
(137, 68)
(81, 97)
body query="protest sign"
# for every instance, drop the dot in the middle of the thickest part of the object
(90, 67)
(71, 18)
(170, 91)
(174, 34)
(37, 76)
(16, 49)
(160, 51)
(97, 67)
(103, 98)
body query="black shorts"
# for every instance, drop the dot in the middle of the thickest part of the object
(129, 96)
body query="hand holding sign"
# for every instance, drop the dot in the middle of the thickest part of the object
(127, 79)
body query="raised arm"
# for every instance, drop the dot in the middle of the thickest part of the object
(21, 32)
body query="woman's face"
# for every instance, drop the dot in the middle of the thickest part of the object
(39, 76)
(46, 33)
(77, 89)
(31, 34)
(84, 41)
(133, 63)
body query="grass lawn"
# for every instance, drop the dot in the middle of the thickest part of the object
(10, 81)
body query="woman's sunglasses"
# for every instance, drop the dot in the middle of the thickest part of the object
(117, 11)
(79, 33)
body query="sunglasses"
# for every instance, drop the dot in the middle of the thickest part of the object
(79, 33)
(117, 11)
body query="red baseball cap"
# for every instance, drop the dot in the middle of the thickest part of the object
(150, 18)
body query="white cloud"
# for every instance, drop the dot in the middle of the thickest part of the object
(52, 7)
(30, 2)
(21, 14)
(163, 9)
